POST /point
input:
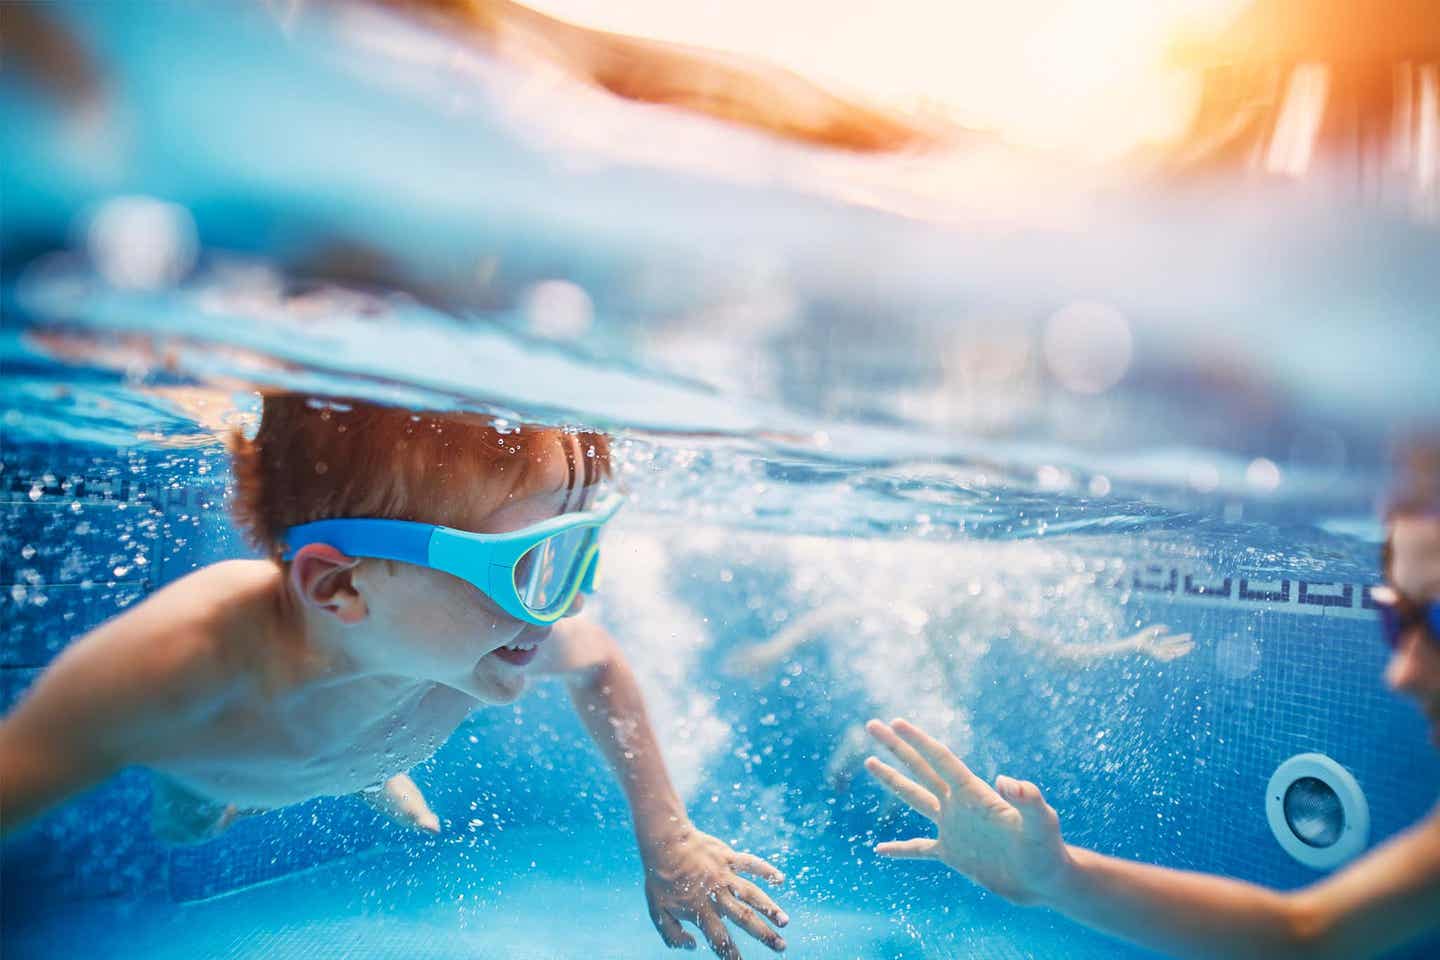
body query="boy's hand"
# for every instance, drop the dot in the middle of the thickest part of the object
(1008, 842)
(692, 876)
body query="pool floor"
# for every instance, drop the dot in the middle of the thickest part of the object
(455, 903)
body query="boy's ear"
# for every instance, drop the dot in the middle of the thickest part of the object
(323, 578)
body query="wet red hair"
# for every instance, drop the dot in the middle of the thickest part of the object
(321, 458)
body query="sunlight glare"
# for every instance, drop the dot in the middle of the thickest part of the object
(1096, 78)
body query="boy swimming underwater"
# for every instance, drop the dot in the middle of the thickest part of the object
(421, 564)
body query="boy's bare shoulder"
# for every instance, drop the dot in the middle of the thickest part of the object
(181, 651)
(211, 624)
(216, 600)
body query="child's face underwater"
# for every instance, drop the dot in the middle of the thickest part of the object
(433, 626)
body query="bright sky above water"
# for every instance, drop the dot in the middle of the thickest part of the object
(1094, 77)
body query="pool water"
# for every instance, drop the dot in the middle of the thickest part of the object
(878, 465)
(502, 902)
(1164, 761)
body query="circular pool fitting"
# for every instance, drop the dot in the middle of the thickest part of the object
(1317, 811)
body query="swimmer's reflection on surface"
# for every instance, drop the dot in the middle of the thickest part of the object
(728, 87)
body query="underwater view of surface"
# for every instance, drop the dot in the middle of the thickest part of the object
(1087, 489)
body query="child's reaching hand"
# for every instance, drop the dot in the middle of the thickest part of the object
(1007, 841)
(692, 876)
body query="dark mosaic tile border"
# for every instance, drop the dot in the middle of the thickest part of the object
(1242, 590)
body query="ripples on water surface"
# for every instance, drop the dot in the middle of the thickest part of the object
(1125, 357)
(1115, 345)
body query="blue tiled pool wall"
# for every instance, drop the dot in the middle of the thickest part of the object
(83, 535)
(1163, 762)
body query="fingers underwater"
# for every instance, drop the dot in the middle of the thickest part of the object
(754, 866)
(919, 799)
(757, 898)
(909, 756)
(1017, 791)
(716, 935)
(920, 848)
(1036, 817)
(956, 775)
(748, 920)
(670, 931)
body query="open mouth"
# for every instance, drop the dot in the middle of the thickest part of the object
(519, 653)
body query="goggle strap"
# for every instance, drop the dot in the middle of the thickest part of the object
(368, 537)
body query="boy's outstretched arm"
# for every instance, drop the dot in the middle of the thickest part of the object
(689, 875)
(45, 757)
(85, 715)
(1007, 839)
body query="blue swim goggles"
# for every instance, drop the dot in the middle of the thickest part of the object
(533, 574)
(1398, 614)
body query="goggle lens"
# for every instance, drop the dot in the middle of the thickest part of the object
(547, 575)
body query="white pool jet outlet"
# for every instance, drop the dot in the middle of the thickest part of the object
(1317, 811)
